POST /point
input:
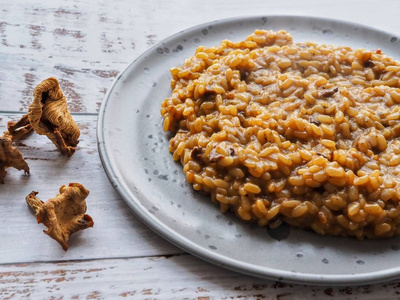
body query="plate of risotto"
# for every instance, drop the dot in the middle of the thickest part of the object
(268, 145)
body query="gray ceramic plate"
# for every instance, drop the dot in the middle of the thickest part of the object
(134, 152)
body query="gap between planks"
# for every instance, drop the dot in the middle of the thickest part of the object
(72, 261)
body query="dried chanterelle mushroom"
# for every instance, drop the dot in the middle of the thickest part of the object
(64, 214)
(10, 156)
(48, 115)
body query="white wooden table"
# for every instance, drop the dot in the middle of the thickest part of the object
(85, 43)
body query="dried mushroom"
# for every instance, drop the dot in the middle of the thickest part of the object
(10, 157)
(48, 115)
(64, 214)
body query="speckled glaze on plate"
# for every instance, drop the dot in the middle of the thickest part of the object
(134, 152)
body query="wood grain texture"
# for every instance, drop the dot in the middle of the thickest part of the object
(86, 43)
(116, 233)
(151, 278)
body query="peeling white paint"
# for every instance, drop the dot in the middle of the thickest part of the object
(85, 44)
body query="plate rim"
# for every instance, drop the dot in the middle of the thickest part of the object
(203, 253)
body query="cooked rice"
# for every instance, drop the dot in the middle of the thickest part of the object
(300, 133)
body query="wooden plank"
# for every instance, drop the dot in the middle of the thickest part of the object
(116, 233)
(85, 44)
(177, 277)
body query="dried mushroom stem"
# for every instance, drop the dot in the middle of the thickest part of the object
(64, 214)
(34, 202)
(20, 128)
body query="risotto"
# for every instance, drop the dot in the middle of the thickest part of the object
(301, 133)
